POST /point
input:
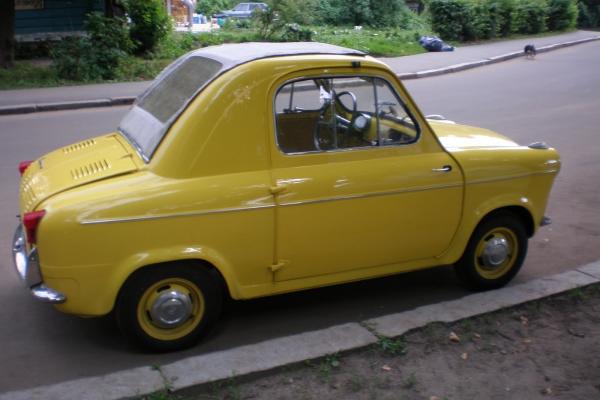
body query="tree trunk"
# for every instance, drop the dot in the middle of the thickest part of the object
(114, 8)
(7, 33)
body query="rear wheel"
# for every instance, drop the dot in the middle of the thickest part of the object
(494, 254)
(169, 306)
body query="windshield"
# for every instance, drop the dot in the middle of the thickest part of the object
(241, 7)
(149, 119)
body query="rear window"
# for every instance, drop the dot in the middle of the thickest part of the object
(147, 122)
(177, 88)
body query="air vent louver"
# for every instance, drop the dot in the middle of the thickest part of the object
(90, 169)
(79, 146)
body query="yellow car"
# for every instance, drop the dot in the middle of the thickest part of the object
(255, 169)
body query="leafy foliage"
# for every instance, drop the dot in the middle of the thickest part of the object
(450, 18)
(500, 16)
(149, 23)
(375, 13)
(211, 7)
(485, 19)
(296, 33)
(562, 14)
(529, 16)
(280, 13)
(589, 13)
(96, 56)
(387, 12)
(391, 346)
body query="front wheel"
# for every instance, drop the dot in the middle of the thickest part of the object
(168, 307)
(494, 253)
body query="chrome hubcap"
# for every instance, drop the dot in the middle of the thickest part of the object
(496, 252)
(171, 309)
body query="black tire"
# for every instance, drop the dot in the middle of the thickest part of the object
(474, 269)
(195, 283)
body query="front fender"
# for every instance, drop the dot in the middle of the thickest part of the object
(482, 199)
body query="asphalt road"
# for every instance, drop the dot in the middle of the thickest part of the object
(555, 98)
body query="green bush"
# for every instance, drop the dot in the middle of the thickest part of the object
(489, 19)
(451, 19)
(562, 14)
(281, 12)
(175, 44)
(387, 12)
(529, 16)
(211, 7)
(377, 13)
(480, 24)
(589, 13)
(501, 16)
(486, 19)
(96, 56)
(72, 59)
(149, 23)
(331, 12)
(296, 33)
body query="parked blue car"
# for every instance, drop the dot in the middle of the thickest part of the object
(242, 10)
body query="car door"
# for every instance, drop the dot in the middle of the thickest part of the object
(358, 181)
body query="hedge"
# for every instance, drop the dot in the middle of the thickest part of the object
(589, 13)
(466, 20)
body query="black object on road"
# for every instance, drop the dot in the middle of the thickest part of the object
(434, 43)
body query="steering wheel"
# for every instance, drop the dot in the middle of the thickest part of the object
(354, 102)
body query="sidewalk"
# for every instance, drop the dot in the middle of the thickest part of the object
(474, 53)
(390, 333)
(535, 351)
(409, 67)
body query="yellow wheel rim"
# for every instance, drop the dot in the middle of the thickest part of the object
(496, 253)
(171, 309)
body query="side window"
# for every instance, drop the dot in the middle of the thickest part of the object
(328, 114)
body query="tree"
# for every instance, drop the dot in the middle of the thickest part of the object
(150, 23)
(7, 33)
(282, 12)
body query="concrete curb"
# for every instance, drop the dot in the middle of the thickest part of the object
(126, 100)
(490, 60)
(279, 352)
(66, 105)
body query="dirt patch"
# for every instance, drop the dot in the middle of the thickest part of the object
(541, 350)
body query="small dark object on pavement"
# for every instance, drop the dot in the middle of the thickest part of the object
(434, 43)
(530, 51)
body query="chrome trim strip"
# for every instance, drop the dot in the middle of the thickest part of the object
(26, 263)
(507, 178)
(189, 214)
(538, 146)
(375, 194)
(48, 295)
(28, 269)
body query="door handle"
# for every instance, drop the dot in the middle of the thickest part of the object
(277, 189)
(445, 168)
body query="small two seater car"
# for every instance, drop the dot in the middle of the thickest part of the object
(255, 169)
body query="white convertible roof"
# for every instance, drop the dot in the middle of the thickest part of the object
(165, 99)
(231, 55)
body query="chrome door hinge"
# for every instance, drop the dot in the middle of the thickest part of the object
(277, 189)
(276, 267)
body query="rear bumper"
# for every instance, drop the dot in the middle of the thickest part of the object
(28, 269)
